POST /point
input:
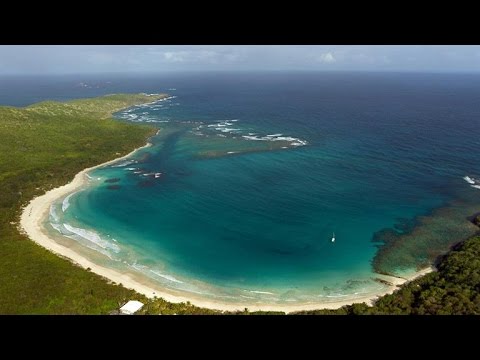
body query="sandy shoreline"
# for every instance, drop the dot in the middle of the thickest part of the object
(37, 211)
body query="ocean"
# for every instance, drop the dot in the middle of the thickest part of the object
(252, 174)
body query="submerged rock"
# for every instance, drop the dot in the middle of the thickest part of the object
(113, 187)
(383, 281)
(113, 180)
(476, 220)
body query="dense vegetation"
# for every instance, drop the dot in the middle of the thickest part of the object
(44, 145)
(453, 289)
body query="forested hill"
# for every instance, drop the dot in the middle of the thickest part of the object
(453, 289)
(43, 146)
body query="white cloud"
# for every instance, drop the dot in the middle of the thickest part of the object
(234, 57)
(23, 59)
(205, 55)
(327, 58)
(175, 56)
(202, 56)
(362, 58)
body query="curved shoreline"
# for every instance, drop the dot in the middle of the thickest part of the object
(35, 213)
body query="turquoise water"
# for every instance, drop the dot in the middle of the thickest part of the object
(251, 174)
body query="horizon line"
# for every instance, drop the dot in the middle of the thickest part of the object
(166, 72)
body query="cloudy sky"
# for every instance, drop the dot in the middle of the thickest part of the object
(61, 59)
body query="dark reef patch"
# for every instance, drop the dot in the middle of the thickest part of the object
(416, 243)
(113, 180)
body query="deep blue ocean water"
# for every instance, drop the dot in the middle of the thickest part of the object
(252, 173)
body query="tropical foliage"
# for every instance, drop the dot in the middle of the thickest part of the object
(453, 289)
(43, 146)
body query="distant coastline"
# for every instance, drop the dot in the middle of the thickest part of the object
(36, 212)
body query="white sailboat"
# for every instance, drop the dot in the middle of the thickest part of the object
(333, 238)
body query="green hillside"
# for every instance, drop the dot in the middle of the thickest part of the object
(43, 146)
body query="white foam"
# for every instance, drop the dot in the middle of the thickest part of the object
(92, 237)
(274, 137)
(154, 102)
(336, 296)
(168, 277)
(53, 214)
(124, 163)
(295, 141)
(469, 179)
(248, 137)
(284, 138)
(130, 116)
(360, 293)
(475, 186)
(247, 297)
(95, 248)
(260, 292)
(57, 227)
(137, 266)
(66, 202)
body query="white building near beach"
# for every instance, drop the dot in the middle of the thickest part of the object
(131, 307)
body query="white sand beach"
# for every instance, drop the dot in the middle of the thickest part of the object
(36, 212)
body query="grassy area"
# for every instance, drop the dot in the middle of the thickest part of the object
(44, 145)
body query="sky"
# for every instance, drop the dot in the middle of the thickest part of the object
(78, 59)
